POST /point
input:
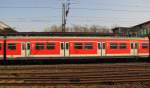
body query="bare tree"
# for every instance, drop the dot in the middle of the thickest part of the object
(78, 28)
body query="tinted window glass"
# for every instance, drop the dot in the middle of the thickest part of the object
(12, 46)
(78, 46)
(132, 47)
(145, 45)
(113, 45)
(28, 46)
(23, 46)
(62, 45)
(39, 46)
(67, 45)
(99, 46)
(50, 45)
(88, 46)
(136, 45)
(123, 45)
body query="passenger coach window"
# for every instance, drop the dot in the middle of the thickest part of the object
(78, 45)
(39, 46)
(113, 45)
(50, 46)
(123, 45)
(145, 45)
(88, 46)
(12, 46)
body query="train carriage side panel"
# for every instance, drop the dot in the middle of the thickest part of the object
(143, 48)
(118, 47)
(45, 48)
(83, 48)
(1, 48)
(13, 49)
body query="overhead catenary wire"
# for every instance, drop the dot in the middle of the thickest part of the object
(99, 18)
(74, 8)
(76, 19)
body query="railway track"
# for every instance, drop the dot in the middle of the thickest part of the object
(74, 74)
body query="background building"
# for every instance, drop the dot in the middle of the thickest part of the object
(137, 30)
(5, 28)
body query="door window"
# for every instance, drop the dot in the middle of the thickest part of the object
(28, 46)
(67, 45)
(99, 45)
(104, 45)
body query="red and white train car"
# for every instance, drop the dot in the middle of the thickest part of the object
(39, 47)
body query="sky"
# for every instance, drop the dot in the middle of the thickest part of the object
(37, 15)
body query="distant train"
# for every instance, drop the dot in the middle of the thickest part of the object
(71, 46)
